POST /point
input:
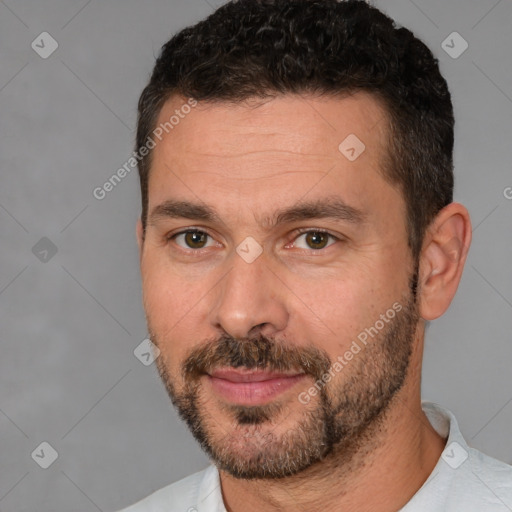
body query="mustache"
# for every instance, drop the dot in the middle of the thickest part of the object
(259, 352)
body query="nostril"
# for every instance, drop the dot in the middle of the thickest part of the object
(258, 328)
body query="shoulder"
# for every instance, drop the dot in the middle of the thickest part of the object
(474, 480)
(179, 496)
(489, 478)
(464, 477)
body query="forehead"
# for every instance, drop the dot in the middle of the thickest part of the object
(302, 124)
(284, 148)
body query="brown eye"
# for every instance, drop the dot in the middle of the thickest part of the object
(192, 239)
(195, 239)
(317, 239)
(314, 239)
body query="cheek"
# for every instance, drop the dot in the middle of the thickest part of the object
(343, 305)
(168, 294)
(173, 309)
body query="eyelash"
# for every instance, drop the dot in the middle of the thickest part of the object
(298, 233)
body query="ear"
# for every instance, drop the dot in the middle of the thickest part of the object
(140, 236)
(442, 259)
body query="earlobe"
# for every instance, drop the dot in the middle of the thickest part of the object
(442, 259)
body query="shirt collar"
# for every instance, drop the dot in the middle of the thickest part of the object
(433, 494)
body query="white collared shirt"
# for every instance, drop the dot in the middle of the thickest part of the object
(463, 480)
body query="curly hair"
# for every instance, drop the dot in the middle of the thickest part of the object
(265, 48)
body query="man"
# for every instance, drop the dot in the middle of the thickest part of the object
(297, 234)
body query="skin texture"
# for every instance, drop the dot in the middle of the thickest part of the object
(246, 161)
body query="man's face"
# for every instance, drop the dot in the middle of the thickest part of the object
(277, 278)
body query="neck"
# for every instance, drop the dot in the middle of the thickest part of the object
(379, 471)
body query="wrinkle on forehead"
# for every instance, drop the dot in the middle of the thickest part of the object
(288, 125)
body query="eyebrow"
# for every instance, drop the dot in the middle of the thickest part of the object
(172, 209)
(326, 208)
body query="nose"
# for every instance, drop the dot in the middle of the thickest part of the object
(250, 300)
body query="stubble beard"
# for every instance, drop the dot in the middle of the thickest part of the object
(251, 445)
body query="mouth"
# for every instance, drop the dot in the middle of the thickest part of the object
(251, 387)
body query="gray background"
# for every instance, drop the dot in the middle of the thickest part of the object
(70, 324)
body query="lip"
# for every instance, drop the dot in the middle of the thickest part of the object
(251, 387)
